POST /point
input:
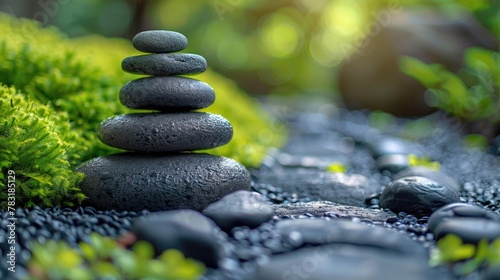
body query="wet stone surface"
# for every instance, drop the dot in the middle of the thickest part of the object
(171, 181)
(164, 64)
(345, 235)
(146, 132)
(159, 41)
(241, 208)
(167, 94)
(417, 195)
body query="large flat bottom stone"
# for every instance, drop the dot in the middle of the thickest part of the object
(133, 182)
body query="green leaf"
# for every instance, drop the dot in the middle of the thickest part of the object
(419, 70)
(480, 59)
(453, 249)
(143, 250)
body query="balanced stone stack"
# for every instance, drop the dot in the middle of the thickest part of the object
(159, 172)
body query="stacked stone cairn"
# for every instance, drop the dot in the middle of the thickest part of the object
(160, 172)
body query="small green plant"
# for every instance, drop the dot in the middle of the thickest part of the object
(32, 149)
(465, 258)
(415, 161)
(103, 258)
(471, 95)
(336, 167)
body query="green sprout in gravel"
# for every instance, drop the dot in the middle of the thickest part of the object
(416, 161)
(336, 167)
(103, 258)
(465, 258)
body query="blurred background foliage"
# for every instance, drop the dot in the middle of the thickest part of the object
(267, 47)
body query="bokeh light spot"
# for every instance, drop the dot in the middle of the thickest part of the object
(279, 35)
(344, 17)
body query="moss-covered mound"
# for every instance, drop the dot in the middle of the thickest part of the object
(76, 82)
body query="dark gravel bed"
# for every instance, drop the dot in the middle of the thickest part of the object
(348, 133)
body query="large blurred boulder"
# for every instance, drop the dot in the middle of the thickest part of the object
(371, 78)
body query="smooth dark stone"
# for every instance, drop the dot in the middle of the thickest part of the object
(387, 146)
(470, 230)
(438, 176)
(330, 209)
(346, 189)
(241, 208)
(134, 182)
(167, 94)
(346, 262)
(321, 231)
(165, 64)
(188, 231)
(417, 195)
(159, 41)
(393, 162)
(164, 132)
(460, 210)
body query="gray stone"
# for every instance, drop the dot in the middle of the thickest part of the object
(321, 231)
(470, 230)
(164, 132)
(438, 176)
(417, 195)
(167, 94)
(320, 208)
(460, 210)
(165, 64)
(387, 146)
(346, 262)
(393, 162)
(241, 208)
(185, 230)
(134, 182)
(347, 189)
(159, 41)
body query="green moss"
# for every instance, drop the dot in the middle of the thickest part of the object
(32, 147)
(103, 258)
(77, 81)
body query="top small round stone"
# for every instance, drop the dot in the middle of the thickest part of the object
(159, 41)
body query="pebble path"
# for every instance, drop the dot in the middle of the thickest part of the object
(316, 139)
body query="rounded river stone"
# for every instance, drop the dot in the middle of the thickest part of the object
(167, 94)
(460, 210)
(241, 208)
(159, 41)
(133, 182)
(470, 230)
(188, 231)
(162, 132)
(417, 195)
(392, 162)
(165, 64)
(438, 176)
